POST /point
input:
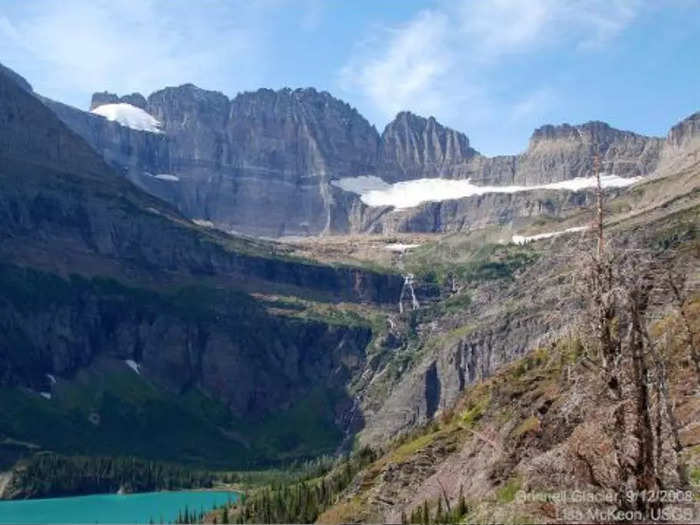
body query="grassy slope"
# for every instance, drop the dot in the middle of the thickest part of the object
(507, 433)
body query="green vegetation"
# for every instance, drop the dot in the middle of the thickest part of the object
(306, 429)
(106, 409)
(52, 475)
(468, 259)
(301, 501)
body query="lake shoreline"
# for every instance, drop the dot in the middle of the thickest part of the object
(140, 507)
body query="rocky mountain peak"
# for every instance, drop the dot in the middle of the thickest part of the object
(415, 147)
(686, 130)
(16, 77)
(105, 97)
(593, 132)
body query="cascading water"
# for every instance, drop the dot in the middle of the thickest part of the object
(408, 278)
(408, 284)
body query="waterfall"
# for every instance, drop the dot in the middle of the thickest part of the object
(408, 284)
(408, 278)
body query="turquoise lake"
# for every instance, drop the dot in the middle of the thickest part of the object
(112, 508)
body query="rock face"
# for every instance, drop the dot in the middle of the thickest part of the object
(414, 147)
(557, 153)
(229, 347)
(91, 266)
(262, 163)
(682, 146)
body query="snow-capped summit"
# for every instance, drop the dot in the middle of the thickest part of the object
(129, 116)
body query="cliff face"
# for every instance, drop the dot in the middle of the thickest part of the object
(262, 163)
(682, 146)
(92, 268)
(414, 147)
(557, 153)
(224, 343)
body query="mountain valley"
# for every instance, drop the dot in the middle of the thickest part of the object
(200, 280)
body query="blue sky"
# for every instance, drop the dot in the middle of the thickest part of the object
(494, 69)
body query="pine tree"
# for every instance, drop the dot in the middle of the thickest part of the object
(426, 514)
(224, 518)
(438, 512)
(404, 521)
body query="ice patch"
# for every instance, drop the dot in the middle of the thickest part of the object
(133, 365)
(374, 191)
(522, 239)
(398, 247)
(362, 184)
(51, 378)
(129, 116)
(45, 395)
(167, 176)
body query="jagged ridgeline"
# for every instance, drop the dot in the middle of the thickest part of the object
(298, 162)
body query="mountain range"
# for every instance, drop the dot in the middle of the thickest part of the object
(222, 160)
(236, 283)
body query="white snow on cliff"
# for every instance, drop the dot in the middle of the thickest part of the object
(374, 191)
(399, 247)
(167, 176)
(362, 184)
(129, 116)
(133, 365)
(522, 239)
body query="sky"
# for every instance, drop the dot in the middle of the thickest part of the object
(493, 69)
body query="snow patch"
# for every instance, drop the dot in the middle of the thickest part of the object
(362, 184)
(51, 378)
(167, 176)
(203, 222)
(374, 191)
(129, 116)
(45, 395)
(133, 365)
(398, 247)
(522, 239)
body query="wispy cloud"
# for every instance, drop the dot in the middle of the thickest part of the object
(138, 44)
(446, 60)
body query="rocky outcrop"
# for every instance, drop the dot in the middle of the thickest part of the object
(469, 213)
(413, 147)
(682, 146)
(557, 153)
(105, 97)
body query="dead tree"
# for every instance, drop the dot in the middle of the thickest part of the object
(617, 286)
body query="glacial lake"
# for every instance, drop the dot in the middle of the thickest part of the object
(112, 508)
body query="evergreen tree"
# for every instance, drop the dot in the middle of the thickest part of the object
(426, 514)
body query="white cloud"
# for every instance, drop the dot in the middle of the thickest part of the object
(136, 45)
(445, 60)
